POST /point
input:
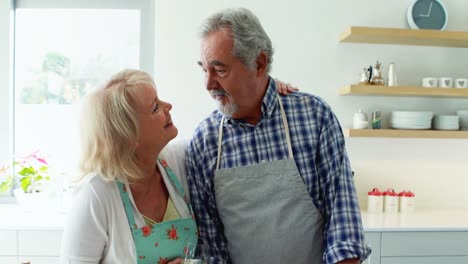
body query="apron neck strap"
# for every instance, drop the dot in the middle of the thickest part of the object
(123, 190)
(286, 130)
(220, 140)
(286, 127)
(175, 182)
(172, 177)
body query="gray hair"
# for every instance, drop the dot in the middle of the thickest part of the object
(248, 34)
(109, 128)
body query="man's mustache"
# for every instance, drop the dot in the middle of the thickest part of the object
(217, 92)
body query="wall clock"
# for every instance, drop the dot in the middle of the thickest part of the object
(427, 14)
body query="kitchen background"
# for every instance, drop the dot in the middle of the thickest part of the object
(308, 55)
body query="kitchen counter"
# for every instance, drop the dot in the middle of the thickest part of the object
(420, 220)
(13, 217)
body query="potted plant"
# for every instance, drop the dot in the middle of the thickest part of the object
(32, 175)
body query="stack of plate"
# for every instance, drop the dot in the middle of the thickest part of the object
(411, 120)
(446, 122)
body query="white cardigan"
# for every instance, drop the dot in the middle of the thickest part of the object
(97, 229)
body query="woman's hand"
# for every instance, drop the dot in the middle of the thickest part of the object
(284, 88)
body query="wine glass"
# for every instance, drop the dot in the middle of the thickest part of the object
(196, 253)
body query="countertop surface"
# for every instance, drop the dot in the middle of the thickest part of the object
(13, 217)
(422, 220)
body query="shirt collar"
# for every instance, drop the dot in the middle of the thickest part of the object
(269, 100)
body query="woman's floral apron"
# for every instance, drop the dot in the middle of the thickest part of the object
(161, 242)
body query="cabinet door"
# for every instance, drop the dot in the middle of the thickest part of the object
(39, 243)
(425, 260)
(8, 243)
(398, 244)
(38, 260)
(8, 260)
(373, 240)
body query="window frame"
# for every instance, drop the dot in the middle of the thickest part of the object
(7, 45)
(6, 82)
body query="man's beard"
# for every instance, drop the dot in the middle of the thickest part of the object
(227, 109)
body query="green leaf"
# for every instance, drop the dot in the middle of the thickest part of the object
(6, 184)
(27, 171)
(25, 183)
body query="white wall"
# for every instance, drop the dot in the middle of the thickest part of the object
(304, 35)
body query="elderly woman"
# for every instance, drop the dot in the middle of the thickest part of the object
(130, 206)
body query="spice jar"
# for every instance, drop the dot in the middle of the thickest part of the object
(375, 201)
(406, 201)
(390, 201)
(376, 120)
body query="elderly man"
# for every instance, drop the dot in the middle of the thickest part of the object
(269, 177)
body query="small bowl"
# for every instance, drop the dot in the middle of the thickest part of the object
(360, 124)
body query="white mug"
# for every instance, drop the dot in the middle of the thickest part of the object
(429, 82)
(461, 83)
(446, 82)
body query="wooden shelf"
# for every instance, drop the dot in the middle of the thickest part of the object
(402, 91)
(420, 37)
(400, 133)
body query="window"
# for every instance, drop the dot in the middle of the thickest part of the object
(62, 51)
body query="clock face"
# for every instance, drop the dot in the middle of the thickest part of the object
(429, 14)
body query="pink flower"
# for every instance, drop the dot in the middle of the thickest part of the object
(29, 160)
(42, 160)
(38, 157)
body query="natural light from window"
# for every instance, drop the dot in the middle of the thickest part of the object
(60, 56)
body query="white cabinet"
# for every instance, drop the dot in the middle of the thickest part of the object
(416, 244)
(428, 247)
(36, 246)
(425, 260)
(373, 240)
(8, 243)
(39, 260)
(8, 260)
(39, 243)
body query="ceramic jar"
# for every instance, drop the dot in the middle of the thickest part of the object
(390, 201)
(375, 201)
(360, 120)
(406, 201)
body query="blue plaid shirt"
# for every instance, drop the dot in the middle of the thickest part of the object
(319, 151)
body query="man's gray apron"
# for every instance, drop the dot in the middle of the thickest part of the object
(267, 213)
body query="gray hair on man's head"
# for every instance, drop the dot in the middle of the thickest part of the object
(248, 34)
(109, 128)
